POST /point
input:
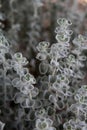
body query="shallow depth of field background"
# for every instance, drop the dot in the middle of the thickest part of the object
(26, 22)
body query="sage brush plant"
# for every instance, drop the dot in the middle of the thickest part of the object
(56, 99)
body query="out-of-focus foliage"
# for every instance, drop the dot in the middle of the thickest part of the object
(56, 98)
(30, 21)
(45, 90)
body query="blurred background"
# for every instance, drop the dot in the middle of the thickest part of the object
(27, 22)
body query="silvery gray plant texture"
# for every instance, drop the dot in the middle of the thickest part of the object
(20, 21)
(56, 99)
(27, 22)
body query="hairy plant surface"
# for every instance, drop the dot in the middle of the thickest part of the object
(55, 99)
